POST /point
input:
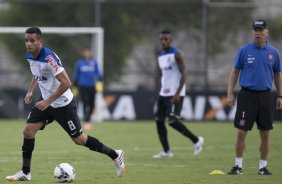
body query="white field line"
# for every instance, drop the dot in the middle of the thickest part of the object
(144, 149)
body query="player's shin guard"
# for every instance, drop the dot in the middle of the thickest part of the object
(95, 145)
(162, 132)
(184, 130)
(27, 149)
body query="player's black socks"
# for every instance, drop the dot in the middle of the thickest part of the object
(162, 132)
(27, 149)
(95, 145)
(184, 130)
(110, 152)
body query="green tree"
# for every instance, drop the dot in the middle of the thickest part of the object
(126, 23)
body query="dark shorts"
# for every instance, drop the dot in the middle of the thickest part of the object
(165, 109)
(254, 106)
(66, 116)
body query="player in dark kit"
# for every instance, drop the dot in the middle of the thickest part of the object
(257, 63)
(173, 89)
(56, 103)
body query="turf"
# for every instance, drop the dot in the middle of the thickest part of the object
(140, 142)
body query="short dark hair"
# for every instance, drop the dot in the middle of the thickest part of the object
(35, 30)
(165, 32)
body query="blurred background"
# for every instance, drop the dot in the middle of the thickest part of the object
(209, 32)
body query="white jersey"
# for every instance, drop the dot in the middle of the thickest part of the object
(170, 73)
(44, 69)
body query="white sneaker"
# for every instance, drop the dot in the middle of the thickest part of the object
(198, 146)
(119, 163)
(163, 154)
(19, 176)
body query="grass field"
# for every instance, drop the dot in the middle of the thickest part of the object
(139, 140)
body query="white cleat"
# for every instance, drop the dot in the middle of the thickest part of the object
(198, 146)
(163, 154)
(19, 176)
(119, 163)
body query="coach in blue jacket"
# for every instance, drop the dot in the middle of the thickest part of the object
(258, 63)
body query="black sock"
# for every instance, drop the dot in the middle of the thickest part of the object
(162, 132)
(27, 148)
(95, 145)
(184, 130)
(110, 152)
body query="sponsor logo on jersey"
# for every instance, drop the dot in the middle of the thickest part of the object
(52, 62)
(167, 68)
(40, 78)
(87, 68)
(166, 90)
(251, 59)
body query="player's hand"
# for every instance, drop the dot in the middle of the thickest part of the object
(279, 103)
(42, 105)
(175, 99)
(99, 87)
(230, 100)
(27, 98)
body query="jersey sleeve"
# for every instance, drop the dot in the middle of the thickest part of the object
(277, 63)
(54, 64)
(76, 73)
(238, 62)
(98, 72)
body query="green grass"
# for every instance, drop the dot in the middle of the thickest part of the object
(140, 142)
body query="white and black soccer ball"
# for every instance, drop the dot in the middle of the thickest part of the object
(64, 173)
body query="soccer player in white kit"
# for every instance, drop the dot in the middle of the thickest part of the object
(56, 103)
(173, 89)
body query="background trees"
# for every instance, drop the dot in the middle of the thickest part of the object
(126, 24)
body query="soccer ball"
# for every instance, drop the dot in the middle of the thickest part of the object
(64, 172)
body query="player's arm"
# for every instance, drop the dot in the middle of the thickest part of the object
(159, 78)
(98, 79)
(65, 84)
(98, 72)
(231, 84)
(181, 67)
(32, 87)
(278, 84)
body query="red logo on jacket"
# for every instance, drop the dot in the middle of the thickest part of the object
(270, 57)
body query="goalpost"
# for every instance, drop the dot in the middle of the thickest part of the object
(96, 32)
(97, 46)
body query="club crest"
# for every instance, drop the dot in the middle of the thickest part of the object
(270, 57)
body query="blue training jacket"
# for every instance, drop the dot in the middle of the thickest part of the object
(257, 66)
(87, 73)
